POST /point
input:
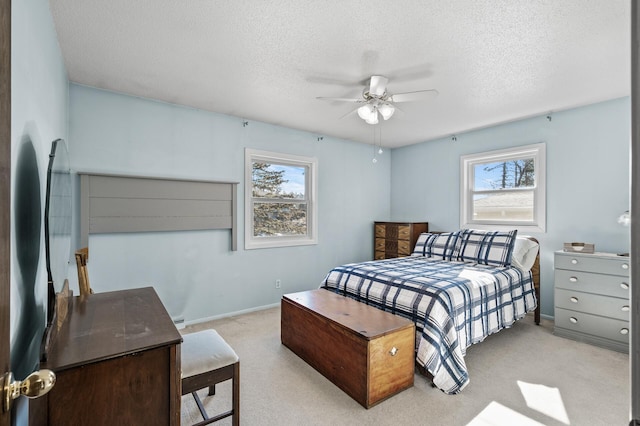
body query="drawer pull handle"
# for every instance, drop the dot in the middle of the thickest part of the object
(624, 331)
(625, 286)
(573, 279)
(625, 308)
(573, 320)
(574, 261)
(393, 351)
(574, 299)
(625, 266)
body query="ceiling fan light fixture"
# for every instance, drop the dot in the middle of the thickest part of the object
(386, 110)
(366, 112)
(373, 118)
(375, 99)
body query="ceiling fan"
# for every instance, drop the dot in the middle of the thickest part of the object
(377, 101)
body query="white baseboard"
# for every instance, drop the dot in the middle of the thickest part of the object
(228, 314)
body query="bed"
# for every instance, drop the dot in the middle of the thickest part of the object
(457, 287)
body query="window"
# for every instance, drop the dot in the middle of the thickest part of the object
(504, 189)
(280, 200)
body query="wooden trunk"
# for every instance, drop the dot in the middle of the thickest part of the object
(366, 352)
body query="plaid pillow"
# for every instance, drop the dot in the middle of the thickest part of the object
(418, 250)
(487, 247)
(443, 246)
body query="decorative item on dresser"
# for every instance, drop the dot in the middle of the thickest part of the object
(396, 239)
(592, 298)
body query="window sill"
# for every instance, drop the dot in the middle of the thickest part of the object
(274, 243)
(502, 227)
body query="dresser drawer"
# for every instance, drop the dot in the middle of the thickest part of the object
(612, 265)
(610, 285)
(593, 303)
(594, 325)
(404, 249)
(404, 232)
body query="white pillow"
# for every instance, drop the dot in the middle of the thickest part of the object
(524, 253)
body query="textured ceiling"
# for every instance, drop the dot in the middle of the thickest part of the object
(492, 61)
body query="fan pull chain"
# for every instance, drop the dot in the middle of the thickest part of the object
(375, 160)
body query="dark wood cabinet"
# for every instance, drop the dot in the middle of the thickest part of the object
(117, 362)
(396, 239)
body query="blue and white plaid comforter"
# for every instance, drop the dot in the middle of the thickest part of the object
(453, 304)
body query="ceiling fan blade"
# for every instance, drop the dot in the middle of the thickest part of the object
(398, 109)
(378, 85)
(352, 112)
(342, 80)
(353, 100)
(418, 95)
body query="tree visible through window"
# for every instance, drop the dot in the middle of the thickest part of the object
(280, 200)
(513, 174)
(279, 206)
(504, 188)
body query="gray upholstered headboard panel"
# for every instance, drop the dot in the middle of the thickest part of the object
(118, 203)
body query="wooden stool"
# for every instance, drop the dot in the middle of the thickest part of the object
(206, 360)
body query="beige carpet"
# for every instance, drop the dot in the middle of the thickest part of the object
(521, 376)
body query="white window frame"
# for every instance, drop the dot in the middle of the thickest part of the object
(467, 163)
(311, 190)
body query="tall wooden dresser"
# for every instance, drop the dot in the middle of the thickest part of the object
(592, 298)
(396, 239)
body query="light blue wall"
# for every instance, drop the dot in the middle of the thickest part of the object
(587, 178)
(195, 274)
(39, 103)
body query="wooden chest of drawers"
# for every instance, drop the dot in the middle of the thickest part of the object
(366, 352)
(592, 298)
(396, 239)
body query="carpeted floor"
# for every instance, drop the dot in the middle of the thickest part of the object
(521, 376)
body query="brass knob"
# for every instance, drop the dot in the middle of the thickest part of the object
(36, 384)
(393, 351)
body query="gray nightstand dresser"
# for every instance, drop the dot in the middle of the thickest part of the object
(592, 298)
